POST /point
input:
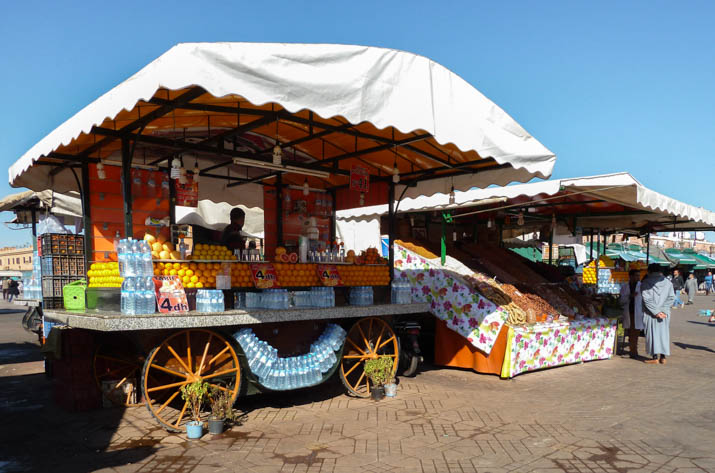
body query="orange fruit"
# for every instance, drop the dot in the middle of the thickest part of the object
(189, 272)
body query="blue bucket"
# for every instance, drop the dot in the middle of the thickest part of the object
(194, 430)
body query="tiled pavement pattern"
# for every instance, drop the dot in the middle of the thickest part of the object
(607, 416)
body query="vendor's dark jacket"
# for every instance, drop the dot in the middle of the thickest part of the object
(678, 283)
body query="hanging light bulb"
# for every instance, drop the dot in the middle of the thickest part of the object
(182, 175)
(451, 196)
(306, 188)
(277, 155)
(395, 173)
(520, 219)
(362, 198)
(490, 223)
(101, 173)
(175, 168)
(196, 172)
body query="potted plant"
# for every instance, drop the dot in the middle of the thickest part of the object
(379, 370)
(194, 394)
(221, 408)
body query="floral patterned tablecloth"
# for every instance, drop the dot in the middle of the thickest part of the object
(541, 346)
(466, 311)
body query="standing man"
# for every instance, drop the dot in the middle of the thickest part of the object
(678, 285)
(5, 287)
(232, 235)
(632, 303)
(691, 287)
(658, 296)
(708, 283)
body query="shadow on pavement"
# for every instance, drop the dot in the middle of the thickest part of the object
(687, 346)
(38, 436)
(19, 353)
(700, 323)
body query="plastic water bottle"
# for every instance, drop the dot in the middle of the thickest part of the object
(123, 258)
(128, 301)
(147, 266)
(149, 296)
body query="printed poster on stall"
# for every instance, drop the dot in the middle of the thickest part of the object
(359, 179)
(187, 195)
(264, 276)
(170, 295)
(329, 275)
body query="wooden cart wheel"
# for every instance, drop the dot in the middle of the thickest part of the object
(117, 367)
(185, 357)
(368, 338)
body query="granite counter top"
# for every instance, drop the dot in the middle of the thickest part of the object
(105, 321)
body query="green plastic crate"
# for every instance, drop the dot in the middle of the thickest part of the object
(73, 295)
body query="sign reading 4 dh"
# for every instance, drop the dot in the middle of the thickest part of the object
(170, 294)
(264, 276)
(329, 275)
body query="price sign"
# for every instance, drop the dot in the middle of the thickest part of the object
(329, 275)
(359, 179)
(170, 295)
(264, 276)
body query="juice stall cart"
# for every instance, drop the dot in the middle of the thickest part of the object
(297, 130)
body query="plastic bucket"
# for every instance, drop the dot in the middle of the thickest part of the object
(194, 430)
(390, 390)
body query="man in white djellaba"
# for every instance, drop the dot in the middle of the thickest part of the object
(658, 298)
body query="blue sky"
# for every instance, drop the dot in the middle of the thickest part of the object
(608, 86)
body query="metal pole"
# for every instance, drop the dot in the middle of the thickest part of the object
(172, 198)
(279, 209)
(598, 257)
(391, 230)
(551, 247)
(590, 254)
(86, 216)
(127, 187)
(333, 218)
(33, 212)
(647, 248)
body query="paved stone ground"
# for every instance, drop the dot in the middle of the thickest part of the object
(618, 415)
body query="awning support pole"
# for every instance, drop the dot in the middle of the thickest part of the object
(333, 219)
(598, 257)
(551, 247)
(647, 248)
(446, 218)
(279, 209)
(86, 216)
(127, 187)
(34, 225)
(590, 254)
(390, 231)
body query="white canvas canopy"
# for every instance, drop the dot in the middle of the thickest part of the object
(217, 216)
(68, 207)
(619, 188)
(425, 119)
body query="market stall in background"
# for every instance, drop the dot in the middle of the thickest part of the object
(540, 315)
(295, 131)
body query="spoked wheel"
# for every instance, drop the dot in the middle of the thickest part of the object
(117, 369)
(370, 337)
(185, 357)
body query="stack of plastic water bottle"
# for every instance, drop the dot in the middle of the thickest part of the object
(136, 267)
(275, 299)
(361, 295)
(209, 300)
(322, 296)
(295, 372)
(32, 288)
(401, 292)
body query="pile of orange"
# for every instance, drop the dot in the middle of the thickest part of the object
(370, 256)
(192, 275)
(241, 275)
(297, 275)
(204, 251)
(365, 275)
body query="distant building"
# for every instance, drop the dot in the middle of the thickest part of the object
(16, 259)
